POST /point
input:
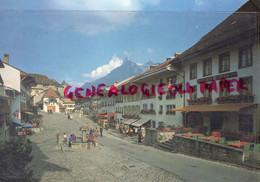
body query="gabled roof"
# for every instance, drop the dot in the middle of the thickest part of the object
(244, 23)
(50, 93)
(66, 101)
(44, 80)
(124, 82)
(154, 69)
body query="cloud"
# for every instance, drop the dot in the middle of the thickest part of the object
(75, 84)
(105, 69)
(101, 16)
(125, 5)
(199, 2)
(149, 50)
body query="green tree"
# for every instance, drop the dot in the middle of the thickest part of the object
(14, 157)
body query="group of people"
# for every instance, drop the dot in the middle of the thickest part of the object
(129, 131)
(50, 111)
(25, 131)
(70, 117)
(72, 139)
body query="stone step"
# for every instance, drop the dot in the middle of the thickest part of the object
(170, 144)
(167, 147)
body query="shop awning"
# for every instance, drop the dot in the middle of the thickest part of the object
(110, 115)
(140, 122)
(216, 108)
(129, 121)
(20, 124)
(29, 113)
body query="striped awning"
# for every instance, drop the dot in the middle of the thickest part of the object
(140, 122)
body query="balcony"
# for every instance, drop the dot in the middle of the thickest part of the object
(235, 99)
(170, 112)
(151, 111)
(130, 116)
(200, 101)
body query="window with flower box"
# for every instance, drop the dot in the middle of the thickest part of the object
(224, 62)
(224, 92)
(169, 110)
(193, 95)
(245, 56)
(207, 67)
(193, 71)
(248, 83)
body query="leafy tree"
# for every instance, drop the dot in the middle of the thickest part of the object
(14, 156)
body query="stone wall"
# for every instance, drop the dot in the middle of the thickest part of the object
(154, 137)
(204, 149)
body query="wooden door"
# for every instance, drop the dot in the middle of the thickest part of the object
(52, 108)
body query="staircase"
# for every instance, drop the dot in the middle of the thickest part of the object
(166, 146)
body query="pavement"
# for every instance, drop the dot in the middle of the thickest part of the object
(119, 158)
(50, 163)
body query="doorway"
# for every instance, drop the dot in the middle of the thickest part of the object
(216, 120)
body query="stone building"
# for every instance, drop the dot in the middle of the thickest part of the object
(43, 83)
(51, 101)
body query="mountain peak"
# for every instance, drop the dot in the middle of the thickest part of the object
(150, 62)
(127, 59)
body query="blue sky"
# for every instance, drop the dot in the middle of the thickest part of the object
(83, 40)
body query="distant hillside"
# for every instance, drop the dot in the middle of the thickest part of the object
(126, 70)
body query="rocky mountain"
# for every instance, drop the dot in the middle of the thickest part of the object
(126, 70)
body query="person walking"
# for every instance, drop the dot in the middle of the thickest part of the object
(101, 130)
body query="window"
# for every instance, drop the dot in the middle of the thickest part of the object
(137, 110)
(246, 122)
(170, 80)
(207, 93)
(248, 84)
(161, 80)
(151, 106)
(169, 109)
(207, 67)
(145, 107)
(161, 109)
(224, 93)
(245, 57)
(224, 62)
(194, 94)
(193, 71)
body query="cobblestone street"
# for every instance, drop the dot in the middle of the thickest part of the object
(119, 158)
(50, 163)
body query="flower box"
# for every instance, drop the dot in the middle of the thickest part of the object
(200, 101)
(235, 99)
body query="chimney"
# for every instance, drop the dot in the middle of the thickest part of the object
(6, 58)
(152, 66)
(176, 54)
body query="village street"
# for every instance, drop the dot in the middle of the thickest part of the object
(117, 159)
